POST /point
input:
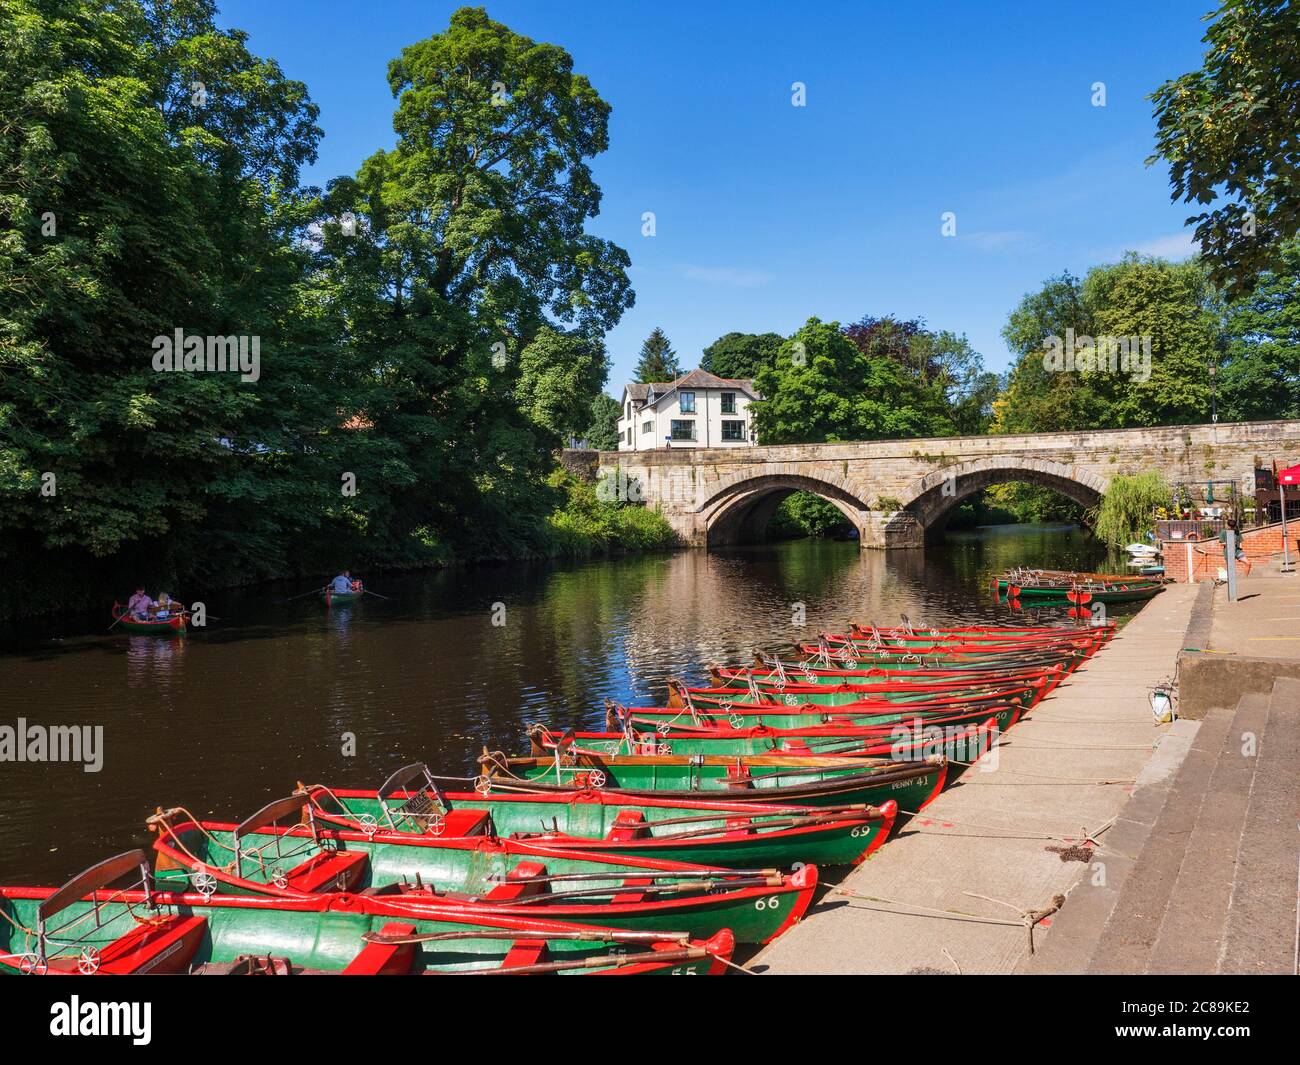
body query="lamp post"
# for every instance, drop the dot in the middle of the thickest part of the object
(1214, 399)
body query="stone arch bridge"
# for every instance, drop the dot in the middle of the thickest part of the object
(898, 492)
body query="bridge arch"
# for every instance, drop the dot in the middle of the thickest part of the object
(930, 501)
(739, 507)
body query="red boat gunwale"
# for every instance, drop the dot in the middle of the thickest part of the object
(412, 903)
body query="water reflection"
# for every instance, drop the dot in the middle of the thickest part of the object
(234, 716)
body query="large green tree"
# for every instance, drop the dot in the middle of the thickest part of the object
(739, 356)
(468, 258)
(1228, 133)
(823, 389)
(658, 360)
(1259, 376)
(560, 376)
(1147, 304)
(131, 217)
(602, 425)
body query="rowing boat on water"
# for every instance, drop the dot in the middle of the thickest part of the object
(172, 626)
(85, 928)
(961, 739)
(482, 874)
(1081, 594)
(848, 700)
(779, 778)
(777, 678)
(721, 833)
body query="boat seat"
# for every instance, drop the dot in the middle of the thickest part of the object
(629, 824)
(163, 949)
(385, 959)
(457, 823)
(633, 896)
(520, 882)
(524, 952)
(328, 871)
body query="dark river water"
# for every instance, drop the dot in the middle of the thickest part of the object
(236, 714)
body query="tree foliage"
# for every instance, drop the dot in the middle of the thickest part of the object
(429, 328)
(1228, 133)
(1147, 303)
(658, 360)
(823, 388)
(740, 356)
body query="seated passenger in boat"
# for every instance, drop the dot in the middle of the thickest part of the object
(138, 605)
(167, 606)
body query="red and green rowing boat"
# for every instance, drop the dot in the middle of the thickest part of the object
(86, 928)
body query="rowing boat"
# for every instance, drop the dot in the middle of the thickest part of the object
(484, 874)
(172, 626)
(333, 598)
(719, 833)
(961, 739)
(780, 778)
(85, 928)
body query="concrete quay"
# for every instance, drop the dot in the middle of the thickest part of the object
(948, 893)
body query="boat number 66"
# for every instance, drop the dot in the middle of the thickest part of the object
(769, 903)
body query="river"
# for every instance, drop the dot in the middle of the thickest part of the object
(278, 692)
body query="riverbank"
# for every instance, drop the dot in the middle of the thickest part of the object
(949, 893)
(49, 585)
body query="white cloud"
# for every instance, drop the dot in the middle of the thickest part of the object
(996, 239)
(726, 275)
(1174, 246)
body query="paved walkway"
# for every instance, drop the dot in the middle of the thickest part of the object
(987, 834)
(1264, 622)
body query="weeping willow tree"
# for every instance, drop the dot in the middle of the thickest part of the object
(1127, 511)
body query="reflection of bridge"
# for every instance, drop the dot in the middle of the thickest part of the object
(895, 492)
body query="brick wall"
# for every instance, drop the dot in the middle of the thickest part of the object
(1266, 541)
(1190, 561)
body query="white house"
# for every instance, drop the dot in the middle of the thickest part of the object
(696, 410)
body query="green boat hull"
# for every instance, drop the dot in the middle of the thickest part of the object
(587, 824)
(312, 939)
(473, 873)
(910, 785)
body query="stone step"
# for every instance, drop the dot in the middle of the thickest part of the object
(1192, 930)
(1130, 934)
(1261, 929)
(1068, 947)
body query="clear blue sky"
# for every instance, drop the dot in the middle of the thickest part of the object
(768, 214)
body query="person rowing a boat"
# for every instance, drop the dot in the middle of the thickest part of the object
(138, 605)
(343, 584)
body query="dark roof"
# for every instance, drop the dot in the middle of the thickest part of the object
(640, 390)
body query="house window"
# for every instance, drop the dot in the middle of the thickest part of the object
(687, 403)
(733, 430)
(629, 434)
(629, 408)
(683, 430)
(728, 403)
(647, 427)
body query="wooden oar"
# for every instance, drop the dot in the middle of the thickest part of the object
(314, 591)
(593, 935)
(610, 961)
(691, 874)
(367, 591)
(692, 888)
